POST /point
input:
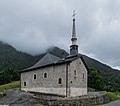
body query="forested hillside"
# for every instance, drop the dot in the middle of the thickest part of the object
(110, 76)
(11, 58)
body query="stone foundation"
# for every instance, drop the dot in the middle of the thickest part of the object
(94, 98)
(82, 101)
(47, 96)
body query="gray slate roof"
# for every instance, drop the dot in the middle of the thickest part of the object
(47, 59)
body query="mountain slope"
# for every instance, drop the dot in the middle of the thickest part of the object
(11, 58)
(110, 76)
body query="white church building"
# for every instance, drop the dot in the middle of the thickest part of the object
(53, 75)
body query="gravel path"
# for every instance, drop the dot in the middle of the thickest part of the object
(16, 97)
(114, 103)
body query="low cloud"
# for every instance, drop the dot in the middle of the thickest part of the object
(33, 26)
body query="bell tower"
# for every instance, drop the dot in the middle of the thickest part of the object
(73, 47)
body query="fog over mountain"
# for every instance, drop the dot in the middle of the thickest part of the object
(33, 26)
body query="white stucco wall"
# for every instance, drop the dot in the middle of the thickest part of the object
(51, 90)
(77, 84)
(48, 85)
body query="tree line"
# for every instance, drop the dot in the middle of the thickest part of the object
(9, 75)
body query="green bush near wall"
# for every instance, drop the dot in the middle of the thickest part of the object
(114, 95)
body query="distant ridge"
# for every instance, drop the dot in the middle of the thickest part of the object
(11, 58)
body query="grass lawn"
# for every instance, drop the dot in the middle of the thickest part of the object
(15, 84)
(114, 95)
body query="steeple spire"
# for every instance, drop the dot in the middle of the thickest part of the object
(74, 47)
(74, 39)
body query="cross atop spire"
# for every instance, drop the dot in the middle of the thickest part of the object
(74, 14)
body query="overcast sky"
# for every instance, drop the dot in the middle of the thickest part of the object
(33, 26)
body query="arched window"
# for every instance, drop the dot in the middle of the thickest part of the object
(83, 75)
(24, 83)
(75, 72)
(35, 76)
(45, 75)
(60, 81)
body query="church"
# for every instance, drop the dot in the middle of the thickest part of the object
(53, 75)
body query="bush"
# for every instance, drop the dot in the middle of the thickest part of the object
(95, 80)
(114, 95)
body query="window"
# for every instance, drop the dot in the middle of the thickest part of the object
(35, 76)
(83, 75)
(60, 81)
(45, 75)
(75, 73)
(24, 83)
